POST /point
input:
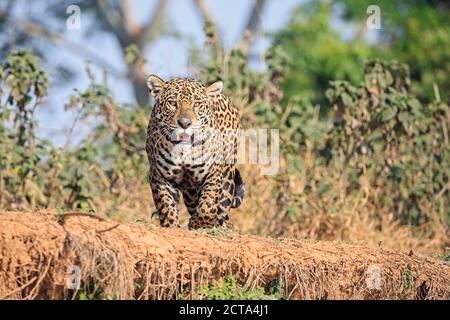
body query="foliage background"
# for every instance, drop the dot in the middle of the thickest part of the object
(364, 125)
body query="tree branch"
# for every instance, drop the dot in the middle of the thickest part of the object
(251, 28)
(34, 29)
(123, 25)
(208, 20)
(129, 19)
(148, 31)
(115, 23)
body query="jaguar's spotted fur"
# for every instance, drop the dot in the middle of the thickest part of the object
(189, 118)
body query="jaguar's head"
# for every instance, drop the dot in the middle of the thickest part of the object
(183, 107)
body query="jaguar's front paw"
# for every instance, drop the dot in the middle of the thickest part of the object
(201, 222)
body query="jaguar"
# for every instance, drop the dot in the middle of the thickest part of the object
(192, 143)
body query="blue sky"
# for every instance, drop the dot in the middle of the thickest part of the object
(167, 57)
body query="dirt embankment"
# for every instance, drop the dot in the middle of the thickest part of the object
(43, 255)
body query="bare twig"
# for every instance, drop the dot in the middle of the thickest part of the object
(9, 294)
(108, 229)
(80, 214)
(64, 215)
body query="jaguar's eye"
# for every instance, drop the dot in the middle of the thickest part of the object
(196, 106)
(172, 104)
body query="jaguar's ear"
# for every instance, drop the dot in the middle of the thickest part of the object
(214, 89)
(155, 84)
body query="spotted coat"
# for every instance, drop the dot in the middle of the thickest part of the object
(192, 140)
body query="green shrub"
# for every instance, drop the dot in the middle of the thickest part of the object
(228, 288)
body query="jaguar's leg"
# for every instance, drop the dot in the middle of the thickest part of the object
(227, 195)
(206, 213)
(166, 198)
(190, 198)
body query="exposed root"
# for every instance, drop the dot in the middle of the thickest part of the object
(40, 257)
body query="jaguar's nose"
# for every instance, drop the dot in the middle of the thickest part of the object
(184, 122)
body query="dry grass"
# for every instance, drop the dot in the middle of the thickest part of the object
(134, 261)
(334, 216)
